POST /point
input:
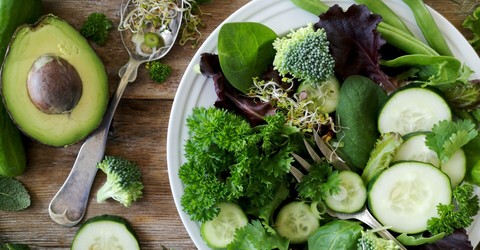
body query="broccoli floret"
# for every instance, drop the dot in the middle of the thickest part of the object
(158, 71)
(123, 182)
(96, 28)
(304, 54)
(370, 241)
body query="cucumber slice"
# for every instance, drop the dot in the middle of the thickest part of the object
(323, 96)
(220, 231)
(296, 222)
(352, 195)
(411, 110)
(414, 149)
(105, 232)
(406, 195)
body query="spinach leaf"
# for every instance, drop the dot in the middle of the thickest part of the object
(473, 160)
(245, 50)
(337, 234)
(359, 103)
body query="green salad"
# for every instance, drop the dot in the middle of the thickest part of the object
(349, 113)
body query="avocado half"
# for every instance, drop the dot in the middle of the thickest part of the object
(53, 84)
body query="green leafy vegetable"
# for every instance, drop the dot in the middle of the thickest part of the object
(158, 71)
(337, 234)
(13, 246)
(472, 22)
(304, 54)
(255, 236)
(320, 182)
(358, 106)
(418, 239)
(449, 136)
(245, 50)
(123, 182)
(455, 215)
(226, 160)
(13, 195)
(96, 28)
(381, 155)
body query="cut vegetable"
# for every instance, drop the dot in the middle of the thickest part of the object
(411, 110)
(220, 231)
(296, 221)
(352, 194)
(414, 149)
(406, 195)
(105, 232)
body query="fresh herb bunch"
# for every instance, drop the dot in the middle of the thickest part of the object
(228, 160)
(96, 28)
(158, 71)
(123, 182)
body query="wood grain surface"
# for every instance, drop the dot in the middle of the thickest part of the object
(139, 134)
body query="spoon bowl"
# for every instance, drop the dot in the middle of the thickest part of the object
(69, 204)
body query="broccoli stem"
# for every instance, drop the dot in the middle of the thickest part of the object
(391, 34)
(428, 26)
(388, 16)
(104, 193)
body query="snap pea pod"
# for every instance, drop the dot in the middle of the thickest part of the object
(391, 34)
(429, 27)
(388, 16)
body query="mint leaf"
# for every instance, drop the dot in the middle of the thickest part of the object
(449, 136)
(13, 195)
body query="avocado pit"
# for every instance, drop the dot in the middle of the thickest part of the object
(54, 85)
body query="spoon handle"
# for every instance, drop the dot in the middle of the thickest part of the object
(69, 204)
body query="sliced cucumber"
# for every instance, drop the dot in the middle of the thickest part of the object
(323, 96)
(411, 110)
(352, 195)
(105, 232)
(406, 195)
(220, 231)
(296, 221)
(414, 149)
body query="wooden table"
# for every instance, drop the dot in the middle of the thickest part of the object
(140, 132)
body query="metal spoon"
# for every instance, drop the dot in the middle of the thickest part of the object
(69, 204)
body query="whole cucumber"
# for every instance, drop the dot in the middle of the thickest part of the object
(13, 13)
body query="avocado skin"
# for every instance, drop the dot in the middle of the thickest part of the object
(53, 35)
(13, 13)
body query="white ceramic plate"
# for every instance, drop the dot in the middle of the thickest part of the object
(281, 16)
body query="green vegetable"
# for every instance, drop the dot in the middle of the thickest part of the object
(472, 22)
(296, 221)
(245, 50)
(391, 34)
(123, 182)
(370, 241)
(428, 26)
(105, 232)
(152, 40)
(358, 106)
(320, 182)
(449, 136)
(304, 54)
(96, 28)
(13, 159)
(388, 16)
(13, 246)
(322, 97)
(456, 215)
(158, 71)
(337, 234)
(381, 155)
(227, 160)
(418, 239)
(351, 194)
(255, 235)
(13, 195)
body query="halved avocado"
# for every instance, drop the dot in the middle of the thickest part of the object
(53, 84)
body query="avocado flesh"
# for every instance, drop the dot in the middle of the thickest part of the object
(53, 36)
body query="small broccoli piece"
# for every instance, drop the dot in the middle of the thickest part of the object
(123, 182)
(370, 241)
(304, 54)
(96, 28)
(158, 71)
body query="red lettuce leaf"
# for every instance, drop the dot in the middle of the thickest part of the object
(355, 43)
(228, 97)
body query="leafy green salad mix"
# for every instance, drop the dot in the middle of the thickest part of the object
(349, 113)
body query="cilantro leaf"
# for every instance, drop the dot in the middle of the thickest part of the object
(319, 182)
(255, 236)
(13, 195)
(449, 136)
